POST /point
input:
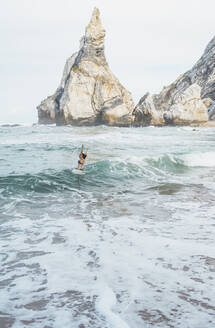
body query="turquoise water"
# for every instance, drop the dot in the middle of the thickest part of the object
(128, 244)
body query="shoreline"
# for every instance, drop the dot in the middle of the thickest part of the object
(210, 124)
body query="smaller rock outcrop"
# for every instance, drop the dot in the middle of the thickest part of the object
(187, 100)
(145, 112)
(89, 93)
(187, 108)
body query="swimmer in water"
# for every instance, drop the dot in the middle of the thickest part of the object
(82, 157)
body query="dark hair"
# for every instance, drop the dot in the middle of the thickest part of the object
(84, 155)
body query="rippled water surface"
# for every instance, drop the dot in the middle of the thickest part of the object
(128, 244)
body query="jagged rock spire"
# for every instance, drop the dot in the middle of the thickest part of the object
(92, 44)
(94, 29)
(89, 92)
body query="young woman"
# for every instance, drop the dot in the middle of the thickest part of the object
(82, 157)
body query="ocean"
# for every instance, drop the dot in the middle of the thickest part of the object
(129, 244)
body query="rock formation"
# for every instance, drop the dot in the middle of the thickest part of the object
(187, 107)
(188, 100)
(89, 93)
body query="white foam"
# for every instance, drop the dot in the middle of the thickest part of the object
(199, 159)
(127, 252)
(105, 304)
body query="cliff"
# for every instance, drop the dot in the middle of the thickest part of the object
(188, 100)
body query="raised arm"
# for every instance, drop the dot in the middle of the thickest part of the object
(86, 151)
(82, 148)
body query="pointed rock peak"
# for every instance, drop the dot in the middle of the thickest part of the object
(95, 15)
(94, 29)
(92, 44)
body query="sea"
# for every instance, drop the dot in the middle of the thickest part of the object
(128, 244)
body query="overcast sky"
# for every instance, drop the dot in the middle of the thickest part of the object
(148, 44)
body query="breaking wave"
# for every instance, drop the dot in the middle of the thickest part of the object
(106, 173)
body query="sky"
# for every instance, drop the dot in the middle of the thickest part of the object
(148, 45)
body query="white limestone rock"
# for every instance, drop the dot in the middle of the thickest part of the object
(203, 75)
(145, 112)
(89, 93)
(211, 111)
(188, 108)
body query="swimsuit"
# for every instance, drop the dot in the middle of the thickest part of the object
(82, 158)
